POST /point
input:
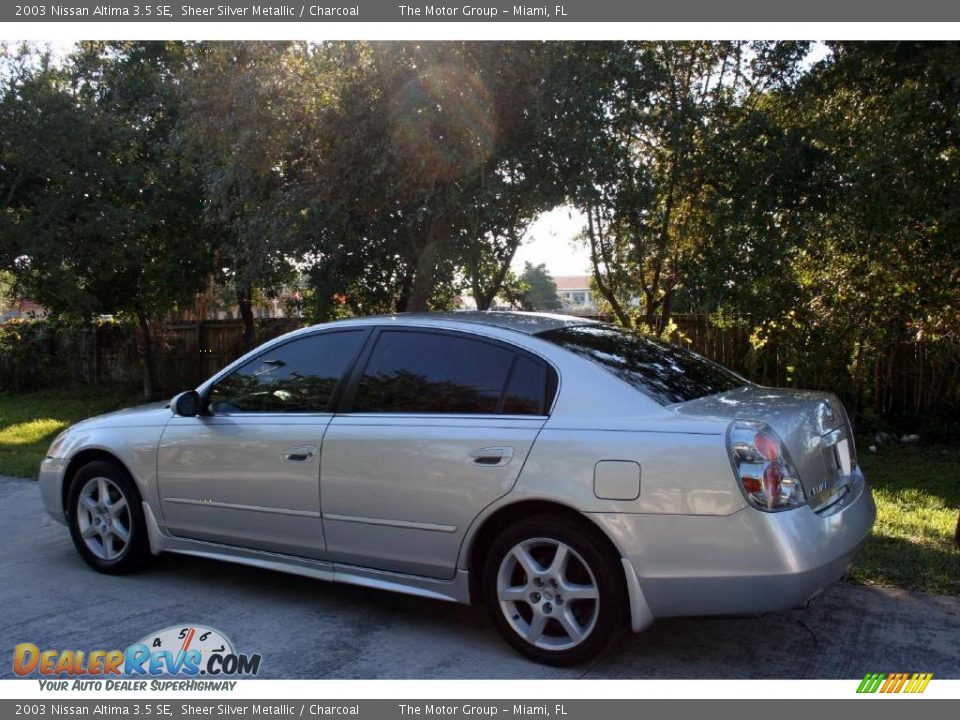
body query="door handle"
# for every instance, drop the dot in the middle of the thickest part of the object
(491, 456)
(300, 453)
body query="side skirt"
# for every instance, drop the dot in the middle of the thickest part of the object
(456, 590)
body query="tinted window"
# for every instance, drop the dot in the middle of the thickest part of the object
(414, 372)
(667, 373)
(298, 376)
(527, 388)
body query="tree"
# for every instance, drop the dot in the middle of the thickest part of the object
(247, 108)
(102, 214)
(878, 262)
(834, 238)
(6, 285)
(541, 293)
(660, 111)
(427, 163)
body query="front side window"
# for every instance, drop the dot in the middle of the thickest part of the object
(295, 377)
(422, 372)
(665, 372)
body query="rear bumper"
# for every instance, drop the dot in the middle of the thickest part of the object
(748, 562)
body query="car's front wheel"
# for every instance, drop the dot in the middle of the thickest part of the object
(555, 590)
(106, 519)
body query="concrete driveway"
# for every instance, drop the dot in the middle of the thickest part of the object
(309, 629)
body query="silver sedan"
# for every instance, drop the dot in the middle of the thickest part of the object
(574, 478)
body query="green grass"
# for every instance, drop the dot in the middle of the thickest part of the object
(30, 421)
(917, 489)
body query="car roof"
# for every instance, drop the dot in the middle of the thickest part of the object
(529, 323)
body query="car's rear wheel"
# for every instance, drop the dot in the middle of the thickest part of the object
(106, 519)
(555, 591)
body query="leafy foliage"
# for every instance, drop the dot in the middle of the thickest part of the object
(814, 208)
(101, 212)
(541, 290)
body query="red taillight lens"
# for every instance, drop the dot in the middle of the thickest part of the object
(752, 485)
(763, 467)
(772, 483)
(767, 446)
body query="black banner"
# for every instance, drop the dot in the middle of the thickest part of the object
(182, 709)
(482, 11)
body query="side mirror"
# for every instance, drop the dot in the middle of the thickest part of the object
(186, 404)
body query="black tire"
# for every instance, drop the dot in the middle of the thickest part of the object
(609, 623)
(135, 553)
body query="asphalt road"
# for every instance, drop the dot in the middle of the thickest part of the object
(305, 628)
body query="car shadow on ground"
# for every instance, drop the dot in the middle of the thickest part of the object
(306, 628)
(844, 633)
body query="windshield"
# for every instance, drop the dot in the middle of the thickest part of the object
(667, 373)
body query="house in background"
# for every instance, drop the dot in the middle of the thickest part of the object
(575, 292)
(21, 310)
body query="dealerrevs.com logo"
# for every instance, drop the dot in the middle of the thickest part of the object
(179, 651)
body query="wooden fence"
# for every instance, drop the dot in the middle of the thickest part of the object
(111, 354)
(909, 378)
(192, 352)
(912, 378)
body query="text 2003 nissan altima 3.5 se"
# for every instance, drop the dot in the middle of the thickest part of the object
(575, 478)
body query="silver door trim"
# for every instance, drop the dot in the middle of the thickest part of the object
(407, 524)
(236, 506)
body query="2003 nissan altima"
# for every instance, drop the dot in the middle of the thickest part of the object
(574, 477)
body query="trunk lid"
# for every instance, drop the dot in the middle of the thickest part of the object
(813, 426)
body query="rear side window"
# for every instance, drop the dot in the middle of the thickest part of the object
(526, 388)
(665, 372)
(422, 372)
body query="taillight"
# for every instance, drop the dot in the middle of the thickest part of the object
(763, 467)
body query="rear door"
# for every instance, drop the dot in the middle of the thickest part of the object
(438, 425)
(247, 472)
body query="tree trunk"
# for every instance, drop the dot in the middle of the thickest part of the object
(422, 286)
(595, 235)
(485, 297)
(666, 307)
(151, 375)
(956, 537)
(649, 309)
(403, 297)
(245, 306)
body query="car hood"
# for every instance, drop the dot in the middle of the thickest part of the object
(148, 415)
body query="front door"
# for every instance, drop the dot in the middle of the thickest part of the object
(247, 472)
(439, 427)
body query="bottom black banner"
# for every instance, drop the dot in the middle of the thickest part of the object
(617, 709)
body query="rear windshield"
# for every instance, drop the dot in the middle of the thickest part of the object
(667, 373)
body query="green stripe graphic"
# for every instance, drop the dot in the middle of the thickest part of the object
(871, 682)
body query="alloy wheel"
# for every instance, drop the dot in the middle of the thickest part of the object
(103, 518)
(548, 594)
